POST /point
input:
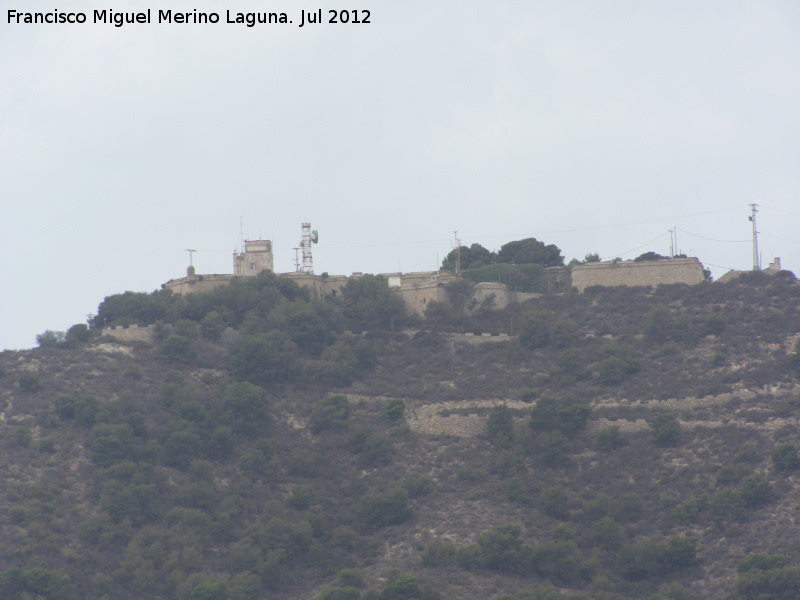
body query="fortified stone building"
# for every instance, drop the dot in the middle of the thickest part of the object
(418, 289)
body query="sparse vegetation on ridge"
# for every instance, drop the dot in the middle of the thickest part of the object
(645, 446)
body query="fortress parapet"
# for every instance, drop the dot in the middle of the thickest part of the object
(643, 273)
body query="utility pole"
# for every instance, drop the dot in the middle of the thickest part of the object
(756, 257)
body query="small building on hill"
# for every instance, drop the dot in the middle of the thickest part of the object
(773, 268)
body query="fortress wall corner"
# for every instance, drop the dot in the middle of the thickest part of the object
(645, 273)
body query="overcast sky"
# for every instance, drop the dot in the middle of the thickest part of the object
(595, 126)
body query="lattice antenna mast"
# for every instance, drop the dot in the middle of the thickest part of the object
(309, 237)
(191, 264)
(756, 256)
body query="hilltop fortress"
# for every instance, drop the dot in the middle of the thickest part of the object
(418, 289)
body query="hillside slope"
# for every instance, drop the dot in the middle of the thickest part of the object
(623, 443)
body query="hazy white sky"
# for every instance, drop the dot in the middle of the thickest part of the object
(596, 126)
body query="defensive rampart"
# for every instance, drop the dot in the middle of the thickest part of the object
(197, 283)
(643, 273)
(131, 333)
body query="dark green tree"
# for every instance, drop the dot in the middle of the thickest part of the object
(264, 359)
(246, 406)
(500, 427)
(530, 250)
(368, 303)
(666, 429)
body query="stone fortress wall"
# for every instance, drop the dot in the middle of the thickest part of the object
(468, 418)
(131, 333)
(631, 273)
(418, 289)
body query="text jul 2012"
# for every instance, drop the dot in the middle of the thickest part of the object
(194, 17)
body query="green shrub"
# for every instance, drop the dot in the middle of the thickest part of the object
(82, 408)
(51, 339)
(178, 349)
(382, 510)
(302, 497)
(77, 334)
(500, 427)
(726, 507)
(20, 437)
(406, 587)
(265, 359)
(648, 559)
(755, 490)
(785, 458)
(567, 416)
(246, 408)
(519, 491)
(552, 449)
(666, 429)
(340, 593)
(418, 486)
(181, 448)
(394, 409)
(607, 533)
(501, 549)
(747, 453)
(351, 578)
(30, 382)
(628, 508)
(329, 413)
(687, 511)
(560, 560)
(47, 445)
(767, 577)
(439, 553)
(110, 444)
(610, 439)
(35, 582)
(553, 502)
(596, 508)
(730, 474)
(470, 558)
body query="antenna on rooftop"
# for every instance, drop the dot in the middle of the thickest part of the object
(756, 256)
(191, 264)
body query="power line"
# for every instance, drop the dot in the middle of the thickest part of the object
(788, 212)
(712, 239)
(777, 237)
(720, 266)
(644, 245)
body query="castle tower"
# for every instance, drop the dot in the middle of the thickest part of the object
(257, 257)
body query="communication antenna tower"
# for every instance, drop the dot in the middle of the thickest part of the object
(756, 256)
(191, 264)
(310, 236)
(297, 259)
